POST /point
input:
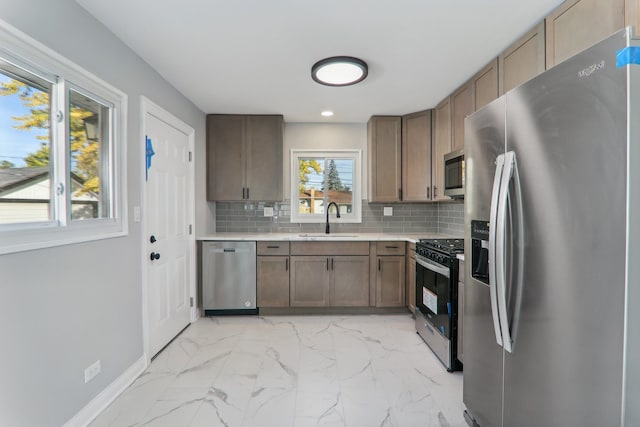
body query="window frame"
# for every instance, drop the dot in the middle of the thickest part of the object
(356, 208)
(33, 57)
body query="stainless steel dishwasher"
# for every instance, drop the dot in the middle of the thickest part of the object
(229, 278)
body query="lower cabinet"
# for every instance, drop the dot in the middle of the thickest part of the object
(329, 274)
(324, 281)
(273, 281)
(390, 273)
(272, 269)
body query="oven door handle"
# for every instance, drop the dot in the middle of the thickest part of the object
(430, 265)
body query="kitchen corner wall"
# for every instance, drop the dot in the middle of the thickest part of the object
(446, 218)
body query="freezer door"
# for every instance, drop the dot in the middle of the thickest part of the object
(482, 386)
(567, 128)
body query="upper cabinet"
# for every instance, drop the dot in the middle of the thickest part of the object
(416, 156)
(577, 24)
(441, 146)
(384, 134)
(485, 85)
(632, 14)
(523, 60)
(244, 157)
(462, 106)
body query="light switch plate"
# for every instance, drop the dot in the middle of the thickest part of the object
(136, 214)
(268, 211)
(388, 211)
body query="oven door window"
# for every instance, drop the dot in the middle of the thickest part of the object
(434, 299)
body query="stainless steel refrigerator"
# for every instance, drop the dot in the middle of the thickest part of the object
(552, 241)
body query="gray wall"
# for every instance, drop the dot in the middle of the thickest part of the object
(63, 308)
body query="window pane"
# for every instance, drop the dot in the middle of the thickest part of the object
(25, 141)
(340, 183)
(310, 185)
(89, 154)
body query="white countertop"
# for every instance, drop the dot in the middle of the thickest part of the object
(333, 237)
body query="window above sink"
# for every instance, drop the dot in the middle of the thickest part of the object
(319, 177)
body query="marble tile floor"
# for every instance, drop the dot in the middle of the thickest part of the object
(297, 371)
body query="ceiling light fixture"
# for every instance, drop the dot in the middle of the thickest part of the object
(339, 71)
(327, 113)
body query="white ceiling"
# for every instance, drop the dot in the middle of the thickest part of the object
(255, 56)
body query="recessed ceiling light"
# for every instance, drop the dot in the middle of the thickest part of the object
(327, 113)
(339, 71)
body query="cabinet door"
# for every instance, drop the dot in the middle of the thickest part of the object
(485, 85)
(384, 143)
(416, 156)
(390, 281)
(273, 281)
(411, 277)
(441, 146)
(577, 24)
(632, 14)
(225, 158)
(264, 171)
(349, 281)
(522, 61)
(462, 106)
(309, 281)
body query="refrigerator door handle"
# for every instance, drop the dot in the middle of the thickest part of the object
(493, 277)
(501, 228)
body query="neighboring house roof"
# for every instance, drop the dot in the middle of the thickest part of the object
(11, 178)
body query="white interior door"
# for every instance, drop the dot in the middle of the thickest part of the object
(168, 213)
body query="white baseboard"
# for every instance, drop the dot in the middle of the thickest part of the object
(108, 395)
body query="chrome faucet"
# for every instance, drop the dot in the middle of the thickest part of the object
(326, 229)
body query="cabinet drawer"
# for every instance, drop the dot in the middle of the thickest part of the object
(273, 248)
(329, 248)
(390, 248)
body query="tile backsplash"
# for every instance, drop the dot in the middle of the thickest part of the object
(248, 217)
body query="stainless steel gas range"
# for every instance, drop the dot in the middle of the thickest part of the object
(437, 297)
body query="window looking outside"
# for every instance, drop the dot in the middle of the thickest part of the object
(25, 187)
(61, 150)
(319, 178)
(89, 154)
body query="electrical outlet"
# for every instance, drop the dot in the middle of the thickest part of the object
(92, 371)
(388, 211)
(268, 211)
(136, 214)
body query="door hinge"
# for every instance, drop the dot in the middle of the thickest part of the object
(190, 156)
(190, 301)
(190, 229)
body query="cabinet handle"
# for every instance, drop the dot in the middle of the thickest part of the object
(243, 193)
(286, 264)
(391, 247)
(273, 247)
(331, 263)
(434, 191)
(399, 193)
(428, 192)
(327, 264)
(379, 265)
(247, 193)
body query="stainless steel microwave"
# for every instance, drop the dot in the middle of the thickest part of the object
(454, 174)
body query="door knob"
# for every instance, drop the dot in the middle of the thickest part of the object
(154, 256)
(152, 239)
